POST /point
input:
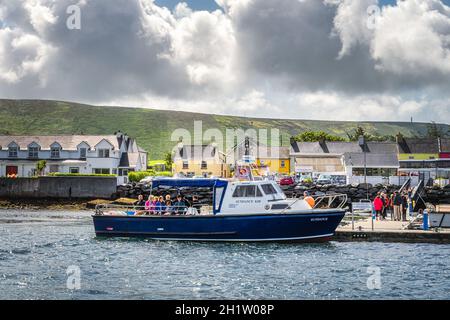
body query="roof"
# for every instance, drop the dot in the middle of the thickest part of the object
(273, 152)
(129, 160)
(373, 160)
(197, 152)
(67, 142)
(340, 148)
(418, 145)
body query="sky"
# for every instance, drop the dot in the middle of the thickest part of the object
(303, 59)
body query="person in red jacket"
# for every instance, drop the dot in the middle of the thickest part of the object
(378, 206)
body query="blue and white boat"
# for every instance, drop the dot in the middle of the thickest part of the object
(240, 211)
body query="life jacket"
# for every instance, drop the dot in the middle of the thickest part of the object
(310, 200)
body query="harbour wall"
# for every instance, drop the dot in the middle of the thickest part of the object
(58, 187)
(355, 192)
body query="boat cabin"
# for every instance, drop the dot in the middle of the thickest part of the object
(237, 197)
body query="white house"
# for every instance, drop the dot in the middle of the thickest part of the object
(379, 160)
(110, 154)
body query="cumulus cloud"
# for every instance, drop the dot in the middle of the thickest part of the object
(259, 57)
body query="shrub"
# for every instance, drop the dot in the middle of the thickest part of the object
(136, 176)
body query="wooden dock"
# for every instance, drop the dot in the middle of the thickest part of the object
(389, 231)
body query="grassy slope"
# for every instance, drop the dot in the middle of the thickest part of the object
(153, 128)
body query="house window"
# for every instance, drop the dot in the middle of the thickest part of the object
(54, 152)
(185, 165)
(204, 165)
(74, 170)
(103, 153)
(114, 171)
(33, 152)
(100, 171)
(12, 152)
(54, 168)
(283, 164)
(83, 152)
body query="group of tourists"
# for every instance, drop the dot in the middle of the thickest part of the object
(395, 204)
(163, 205)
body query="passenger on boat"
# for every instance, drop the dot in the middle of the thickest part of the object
(140, 205)
(196, 204)
(149, 205)
(162, 207)
(169, 208)
(308, 199)
(180, 205)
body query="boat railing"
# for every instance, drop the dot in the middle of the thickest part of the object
(100, 209)
(327, 201)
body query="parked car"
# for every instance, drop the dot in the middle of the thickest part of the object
(287, 181)
(324, 179)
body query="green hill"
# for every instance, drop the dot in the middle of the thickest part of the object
(153, 127)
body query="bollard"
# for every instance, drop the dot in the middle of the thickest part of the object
(374, 215)
(425, 219)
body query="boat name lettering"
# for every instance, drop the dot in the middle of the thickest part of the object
(248, 201)
(319, 219)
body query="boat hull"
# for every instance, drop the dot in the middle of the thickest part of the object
(310, 227)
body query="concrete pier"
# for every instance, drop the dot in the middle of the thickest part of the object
(389, 231)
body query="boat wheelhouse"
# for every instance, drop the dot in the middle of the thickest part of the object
(240, 211)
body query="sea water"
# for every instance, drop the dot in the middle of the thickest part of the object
(56, 255)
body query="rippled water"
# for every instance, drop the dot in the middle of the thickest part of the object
(36, 248)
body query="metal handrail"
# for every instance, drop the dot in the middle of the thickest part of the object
(105, 206)
(329, 196)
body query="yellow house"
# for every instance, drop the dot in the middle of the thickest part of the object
(200, 160)
(276, 161)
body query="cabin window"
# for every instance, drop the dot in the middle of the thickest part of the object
(258, 192)
(268, 189)
(249, 191)
(204, 165)
(185, 165)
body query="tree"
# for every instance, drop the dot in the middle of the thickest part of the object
(40, 166)
(314, 136)
(168, 160)
(360, 131)
(435, 131)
